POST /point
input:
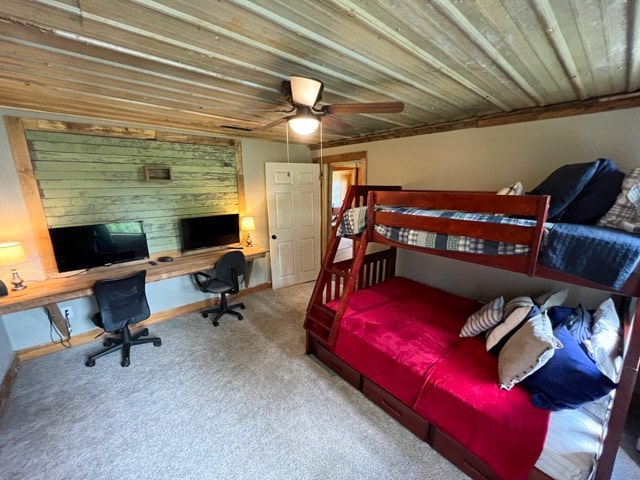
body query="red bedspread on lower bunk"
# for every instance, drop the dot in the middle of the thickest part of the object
(461, 396)
(404, 336)
(393, 332)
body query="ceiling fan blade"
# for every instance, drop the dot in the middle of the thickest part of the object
(336, 125)
(305, 91)
(272, 124)
(353, 108)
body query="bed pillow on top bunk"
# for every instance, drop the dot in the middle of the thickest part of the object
(488, 316)
(564, 185)
(515, 189)
(597, 196)
(569, 379)
(624, 209)
(603, 346)
(528, 350)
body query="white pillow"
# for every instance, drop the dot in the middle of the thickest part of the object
(485, 318)
(545, 302)
(515, 189)
(528, 350)
(604, 345)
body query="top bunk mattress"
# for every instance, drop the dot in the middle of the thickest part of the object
(577, 250)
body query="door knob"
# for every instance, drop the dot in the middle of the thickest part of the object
(273, 237)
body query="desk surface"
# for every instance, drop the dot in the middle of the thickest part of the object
(54, 290)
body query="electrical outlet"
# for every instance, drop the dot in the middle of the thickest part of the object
(67, 312)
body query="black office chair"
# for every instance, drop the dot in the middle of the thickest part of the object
(122, 302)
(229, 269)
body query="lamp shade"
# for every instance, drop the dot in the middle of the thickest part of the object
(12, 253)
(247, 224)
(304, 124)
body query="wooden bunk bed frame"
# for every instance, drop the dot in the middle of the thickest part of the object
(337, 281)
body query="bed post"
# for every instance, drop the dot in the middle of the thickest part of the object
(624, 391)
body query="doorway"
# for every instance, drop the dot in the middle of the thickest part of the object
(338, 173)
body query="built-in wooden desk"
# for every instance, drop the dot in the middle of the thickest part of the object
(49, 292)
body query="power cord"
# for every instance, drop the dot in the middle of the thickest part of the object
(65, 342)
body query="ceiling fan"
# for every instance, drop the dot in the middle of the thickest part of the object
(304, 93)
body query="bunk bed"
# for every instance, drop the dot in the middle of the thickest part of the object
(366, 324)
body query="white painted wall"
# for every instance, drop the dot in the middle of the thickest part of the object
(490, 158)
(30, 328)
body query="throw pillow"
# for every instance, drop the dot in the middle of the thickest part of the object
(564, 185)
(528, 350)
(604, 344)
(597, 196)
(485, 318)
(548, 300)
(568, 380)
(577, 320)
(623, 210)
(516, 302)
(503, 332)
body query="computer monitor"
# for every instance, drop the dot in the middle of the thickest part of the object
(210, 231)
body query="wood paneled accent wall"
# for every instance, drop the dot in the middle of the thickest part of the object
(94, 174)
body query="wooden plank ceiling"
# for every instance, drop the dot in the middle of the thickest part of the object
(205, 65)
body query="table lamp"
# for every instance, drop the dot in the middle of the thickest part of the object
(11, 254)
(248, 225)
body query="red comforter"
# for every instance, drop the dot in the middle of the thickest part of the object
(404, 336)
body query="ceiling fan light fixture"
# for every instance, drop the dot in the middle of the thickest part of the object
(305, 90)
(304, 124)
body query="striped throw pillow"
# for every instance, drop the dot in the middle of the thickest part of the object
(485, 318)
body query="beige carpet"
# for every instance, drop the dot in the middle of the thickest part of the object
(241, 401)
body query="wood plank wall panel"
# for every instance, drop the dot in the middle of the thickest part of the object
(85, 179)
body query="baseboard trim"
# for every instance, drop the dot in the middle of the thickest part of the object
(89, 336)
(7, 383)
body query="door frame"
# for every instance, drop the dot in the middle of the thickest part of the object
(325, 185)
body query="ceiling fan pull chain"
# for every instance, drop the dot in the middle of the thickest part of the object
(286, 127)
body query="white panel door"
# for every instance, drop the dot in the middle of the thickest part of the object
(293, 202)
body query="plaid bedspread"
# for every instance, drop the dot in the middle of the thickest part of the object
(354, 222)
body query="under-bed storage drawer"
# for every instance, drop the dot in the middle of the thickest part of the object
(460, 456)
(396, 409)
(339, 366)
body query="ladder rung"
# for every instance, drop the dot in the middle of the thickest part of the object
(340, 273)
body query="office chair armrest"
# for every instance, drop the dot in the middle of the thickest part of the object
(198, 278)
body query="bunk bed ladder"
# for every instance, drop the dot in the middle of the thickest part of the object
(336, 281)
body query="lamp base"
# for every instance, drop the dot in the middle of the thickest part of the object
(249, 242)
(17, 281)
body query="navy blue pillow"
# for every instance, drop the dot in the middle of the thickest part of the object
(577, 320)
(597, 196)
(564, 185)
(568, 380)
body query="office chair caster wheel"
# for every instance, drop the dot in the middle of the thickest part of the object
(106, 343)
(205, 315)
(90, 363)
(242, 307)
(215, 324)
(240, 317)
(144, 332)
(125, 363)
(157, 343)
